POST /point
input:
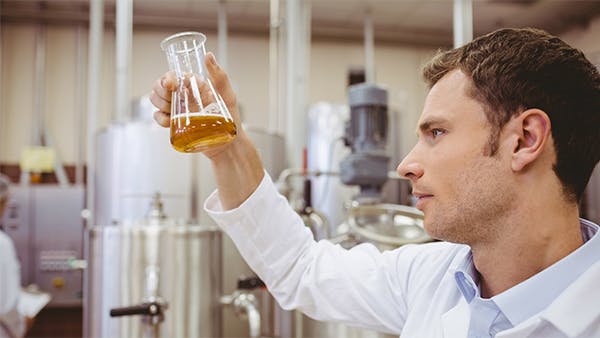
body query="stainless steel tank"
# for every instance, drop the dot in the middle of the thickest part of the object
(173, 266)
(134, 161)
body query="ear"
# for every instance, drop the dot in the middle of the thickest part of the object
(533, 134)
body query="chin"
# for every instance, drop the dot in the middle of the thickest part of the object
(440, 232)
(431, 229)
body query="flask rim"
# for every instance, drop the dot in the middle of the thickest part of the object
(175, 38)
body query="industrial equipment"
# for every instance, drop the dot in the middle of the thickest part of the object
(45, 224)
(366, 135)
(136, 254)
(356, 217)
(165, 271)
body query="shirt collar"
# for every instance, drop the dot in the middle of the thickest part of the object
(466, 278)
(533, 295)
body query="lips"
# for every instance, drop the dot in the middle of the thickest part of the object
(422, 198)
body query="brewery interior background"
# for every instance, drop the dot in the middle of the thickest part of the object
(88, 165)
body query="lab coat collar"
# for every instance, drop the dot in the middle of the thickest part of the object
(572, 313)
(577, 308)
(455, 323)
(540, 290)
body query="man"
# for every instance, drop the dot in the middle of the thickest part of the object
(12, 324)
(508, 138)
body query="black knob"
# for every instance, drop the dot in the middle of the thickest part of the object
(148, 309)
(250, 283)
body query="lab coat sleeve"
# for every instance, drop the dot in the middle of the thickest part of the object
(360, 286)
(10, 285)
(9, 275)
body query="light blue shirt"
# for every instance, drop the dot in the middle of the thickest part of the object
(524, 300)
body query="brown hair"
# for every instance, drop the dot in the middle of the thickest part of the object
(517, 69)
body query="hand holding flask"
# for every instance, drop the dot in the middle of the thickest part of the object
(199, 118)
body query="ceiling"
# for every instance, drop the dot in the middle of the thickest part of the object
(417, 22)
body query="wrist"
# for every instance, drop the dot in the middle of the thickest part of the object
(232, 151)
(238, 171)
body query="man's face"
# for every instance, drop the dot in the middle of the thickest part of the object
(462, 192)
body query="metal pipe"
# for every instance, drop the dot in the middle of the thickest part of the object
(274, 25)
(281, 77)
(284, 185)
(222, 54)
(295, 82)
(79, 105)
(123, 59)
(245, 303)
(39, 80)
(288, 173)
(96, 31)
(249, 303)
(306, 33)
(463, 22)
(217, 273)
(222, 34)
(369, 48)
(283, 181)
(292, 139)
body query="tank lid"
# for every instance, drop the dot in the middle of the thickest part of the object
(364, 94)
(389, 224)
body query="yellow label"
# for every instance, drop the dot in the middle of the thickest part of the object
(37, 159)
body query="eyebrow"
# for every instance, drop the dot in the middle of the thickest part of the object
(426, 125)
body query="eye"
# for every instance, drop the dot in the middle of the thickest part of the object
(437, 132)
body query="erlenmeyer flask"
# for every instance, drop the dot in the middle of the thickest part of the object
(199, 117)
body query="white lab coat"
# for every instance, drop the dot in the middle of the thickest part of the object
(574, 314)
(409, 291)
(12, 324)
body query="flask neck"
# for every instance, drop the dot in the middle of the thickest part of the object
(185, 53)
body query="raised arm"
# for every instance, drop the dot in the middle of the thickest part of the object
(237, 167)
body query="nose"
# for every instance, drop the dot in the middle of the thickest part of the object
(410, 168)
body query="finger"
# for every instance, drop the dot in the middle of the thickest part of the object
(206, 95)
(220, 80)
(198, 94)
(159, 102)
(165, 85)
(162, 118)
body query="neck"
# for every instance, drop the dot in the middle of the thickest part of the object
(532, 242)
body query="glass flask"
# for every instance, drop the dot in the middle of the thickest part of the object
(199, 117)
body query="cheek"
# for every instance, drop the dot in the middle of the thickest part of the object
(445, 169)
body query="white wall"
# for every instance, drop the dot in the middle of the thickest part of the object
(397, 67)
(63, 105)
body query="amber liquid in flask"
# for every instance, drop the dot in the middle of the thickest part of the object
(200, 119)
(197, 132)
